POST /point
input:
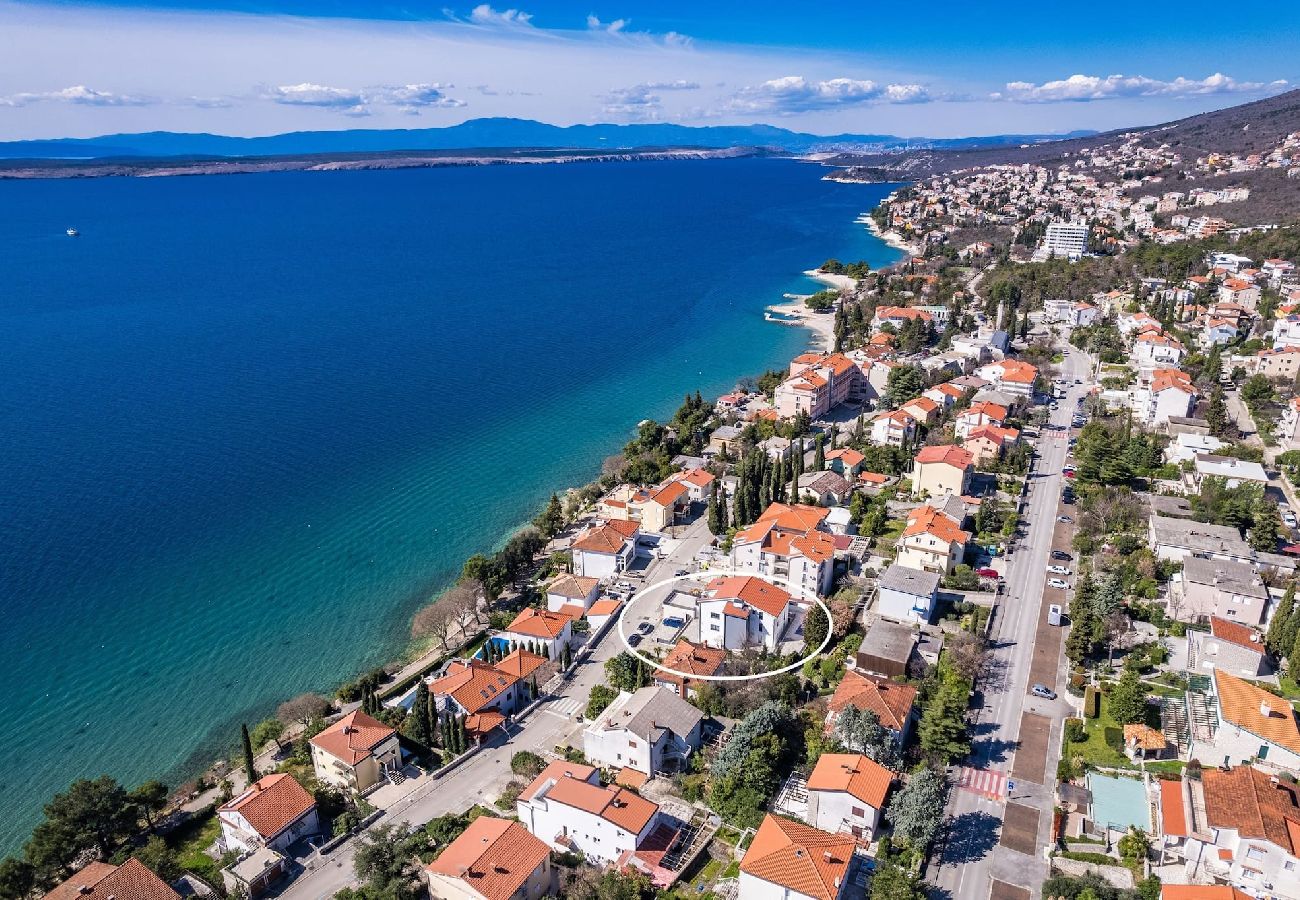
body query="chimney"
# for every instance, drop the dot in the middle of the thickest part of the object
(1264, 709)
(827, 857)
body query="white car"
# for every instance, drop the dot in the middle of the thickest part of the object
(1058, 570)
(1059, 583)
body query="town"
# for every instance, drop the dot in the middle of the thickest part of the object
(991, 596)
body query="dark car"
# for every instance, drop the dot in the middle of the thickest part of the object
(645, 628)
(633, 640)
(1061, 554)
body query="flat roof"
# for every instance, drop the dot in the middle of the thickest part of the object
(889, 640)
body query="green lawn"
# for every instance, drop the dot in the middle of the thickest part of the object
(1094, 749)
(191, 839)
(1172, 766)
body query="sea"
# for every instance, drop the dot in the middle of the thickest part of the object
(249, 424)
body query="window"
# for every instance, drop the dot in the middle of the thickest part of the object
(1254, 853)
(1288, 866)
(858, 811)
(632, 744)
(714, 628)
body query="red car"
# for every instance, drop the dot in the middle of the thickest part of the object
(987, 573)
(1069, 474)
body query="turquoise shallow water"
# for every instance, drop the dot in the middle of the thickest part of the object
(248, 424)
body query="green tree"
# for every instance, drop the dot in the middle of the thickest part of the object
(625, 672)
(942, 731)
(860, 731)
(1281, 630)
(601, 696)
(266, 731)
(1257, 389)
(384, 867)
(1128, 699)
(903, 383)
(916, 809)
(90, 815)
(815, 627)
(159, 858)
(551, 519)
(891, 881)
(1216, 414)
(150, 798)
(1266, 525)
(250, 767)
(17, 878)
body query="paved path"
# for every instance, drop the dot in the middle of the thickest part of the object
(976, 853)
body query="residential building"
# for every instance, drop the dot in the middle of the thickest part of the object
(788, 860)
(355, 752)
(1218, 331)
(662, 507)
(605, 549)
(693, 660)
(1251, 834)
(977, 415)
(572, 593)
(1288, 426)
(1233, 471)
(699, 483)
(1067, 239)
(932, 541)
(844, 461)
(889, 700)
(787, 545)
(493, 859)
(651, 731)
(1237, 290)
(846, 793)
(923, 409)
(898, 316)
(97, 880)
(255, 873)
(1153, 350)
(1185, 447)
(486, 696)
(1253, 724)
(571, 811)
(724, 438)
(906, 595)
(1281, 363)
(986, 444)
(550, 631)
(743, 611)
(1223, 588)
(826, 488)
(1229, 647)
(817, 384)
(1178, 539)
(886, 649)
(942, 469)
(274, 812)
(1011, 376)
(1170, 395)
(893, 429)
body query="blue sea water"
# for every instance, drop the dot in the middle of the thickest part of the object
(249, 424)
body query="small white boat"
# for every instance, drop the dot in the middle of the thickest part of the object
(72, 232)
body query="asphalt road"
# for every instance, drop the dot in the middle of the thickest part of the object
(972, 857)
(482, 778)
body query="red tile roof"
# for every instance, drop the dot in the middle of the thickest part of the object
(890, 701)
(1173, 813)
(352, 737)
(1249, 801)
(857, 775)
(474, 685)
(1263, 714)
(540, 623)
(615, 805)
(1236, 633)
(798, 857)
(948, 454)
(99, 881)
(272, 804)
(554, 772)
(752, 591)
(493, 857)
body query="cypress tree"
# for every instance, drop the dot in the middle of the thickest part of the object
(819, 454)
(1279, 629)
(715, 525)
(250, 768)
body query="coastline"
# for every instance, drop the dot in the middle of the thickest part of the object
(839, 282)
(822, 325)
(891, 237)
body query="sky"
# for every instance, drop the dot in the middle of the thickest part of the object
(944, 69)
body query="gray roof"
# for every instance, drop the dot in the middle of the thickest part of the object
(1177, 507)
(1226, 575)
(889, 640)
(824, 481)
(726, 433)
(651, 710)
(909, 581)
(1201, 537)
(988, 395)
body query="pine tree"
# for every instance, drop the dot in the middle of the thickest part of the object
(1216, 414)
(1280, 636)
(250, 767)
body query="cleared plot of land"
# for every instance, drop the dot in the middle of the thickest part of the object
(1031, 755)
(1020, 828)
(1000, 890)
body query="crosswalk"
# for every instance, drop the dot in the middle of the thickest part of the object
(565, 707)
(985, 782)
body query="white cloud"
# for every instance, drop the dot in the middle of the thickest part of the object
(643, 101)
(512, 18)
(594, 24)
(78, 94)
(406, 98)
(794, 94)
(1081, 88)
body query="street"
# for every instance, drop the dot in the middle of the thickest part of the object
(982, 848)
(482, 778)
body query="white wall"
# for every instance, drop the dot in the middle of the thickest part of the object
(833, 811)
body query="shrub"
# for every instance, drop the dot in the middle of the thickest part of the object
(1114, 738)
(1074, 731)
(527, 764)
(1091, 702)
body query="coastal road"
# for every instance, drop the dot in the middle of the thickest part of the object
(483, 777)
(1014, 732)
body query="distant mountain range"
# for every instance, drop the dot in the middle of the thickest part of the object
(496, 133)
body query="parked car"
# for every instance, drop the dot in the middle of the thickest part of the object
(633, 640)
(1061, 554)
(1068, 473)
(1064, 520)
(680, 572)
(1042, 690)
(645, 628)
(1059, 583)
(1058, 570)
(987, 573)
